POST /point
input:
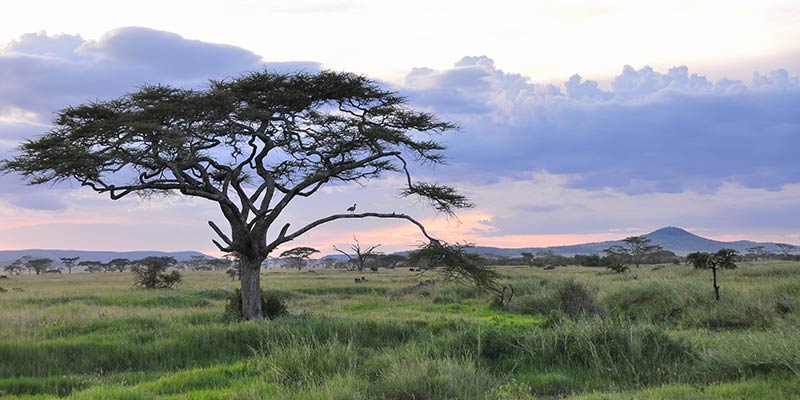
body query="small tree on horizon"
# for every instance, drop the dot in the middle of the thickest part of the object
(92, 266)
(69, 262)
(757, 252)
(723, 259)
(528, 258)
(298, 256)
(38, 265)
(17, 267)
(118, 265)
(639, 248)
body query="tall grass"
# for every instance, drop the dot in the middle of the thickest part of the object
(569, 331)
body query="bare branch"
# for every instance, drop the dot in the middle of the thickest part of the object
(283, 239)
(219, 233)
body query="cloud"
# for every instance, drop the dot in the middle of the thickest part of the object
(42, 73)
(649, 132)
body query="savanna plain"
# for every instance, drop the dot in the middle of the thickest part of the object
(654, 332)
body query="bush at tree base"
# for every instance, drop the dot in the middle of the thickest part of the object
(272, 305)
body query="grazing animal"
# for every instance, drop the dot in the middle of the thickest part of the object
(3, 276)
(373, 269)
(352, 209)
(53, 271)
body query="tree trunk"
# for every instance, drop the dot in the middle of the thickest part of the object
(716, 288)
(250, 276)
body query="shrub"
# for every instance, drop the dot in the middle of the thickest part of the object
(151, 273)
(578, 300)
(618, 268)
(272, 305)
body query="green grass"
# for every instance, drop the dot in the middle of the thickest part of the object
(647, 333)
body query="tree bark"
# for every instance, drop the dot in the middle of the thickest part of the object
(250, 276)
(716, 288)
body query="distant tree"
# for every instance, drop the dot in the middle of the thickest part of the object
(619, 254)
(92, 266)
(198, 263)
(252, 145)
(151, 273)
(234, 269)
(69, 262)
(219, 264)
(360, 255)
(118, 265)
(529, 259)
(757, 252)
(18, 266)
(723, 259)
(39, 265)
(388, 260)
(786, 249)
(640, 249)
(328, 263)
(297, 256)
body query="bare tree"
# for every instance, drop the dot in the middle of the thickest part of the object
(360, 255)
(69, 262)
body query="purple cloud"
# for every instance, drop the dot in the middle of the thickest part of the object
(650, 132)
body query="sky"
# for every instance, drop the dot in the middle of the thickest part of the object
(580, 120)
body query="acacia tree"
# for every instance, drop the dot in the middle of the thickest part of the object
(38, 265)
(151, 273)
(252, 145)
(298, 256)
(92, 266)
(723, 259)
(529, 259)
(360, 255)
(18, 266)
(757, 252)
(117, 264)
(786, 248)
(69, 262)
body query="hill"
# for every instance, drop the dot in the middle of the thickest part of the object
(676, 240)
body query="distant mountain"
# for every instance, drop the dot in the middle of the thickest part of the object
(7, 256)
(673, 239)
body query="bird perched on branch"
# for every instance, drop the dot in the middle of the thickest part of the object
(352, 209)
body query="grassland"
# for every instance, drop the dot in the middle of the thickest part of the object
(648, 333)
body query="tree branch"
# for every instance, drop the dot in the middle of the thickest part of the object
(283, 239)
